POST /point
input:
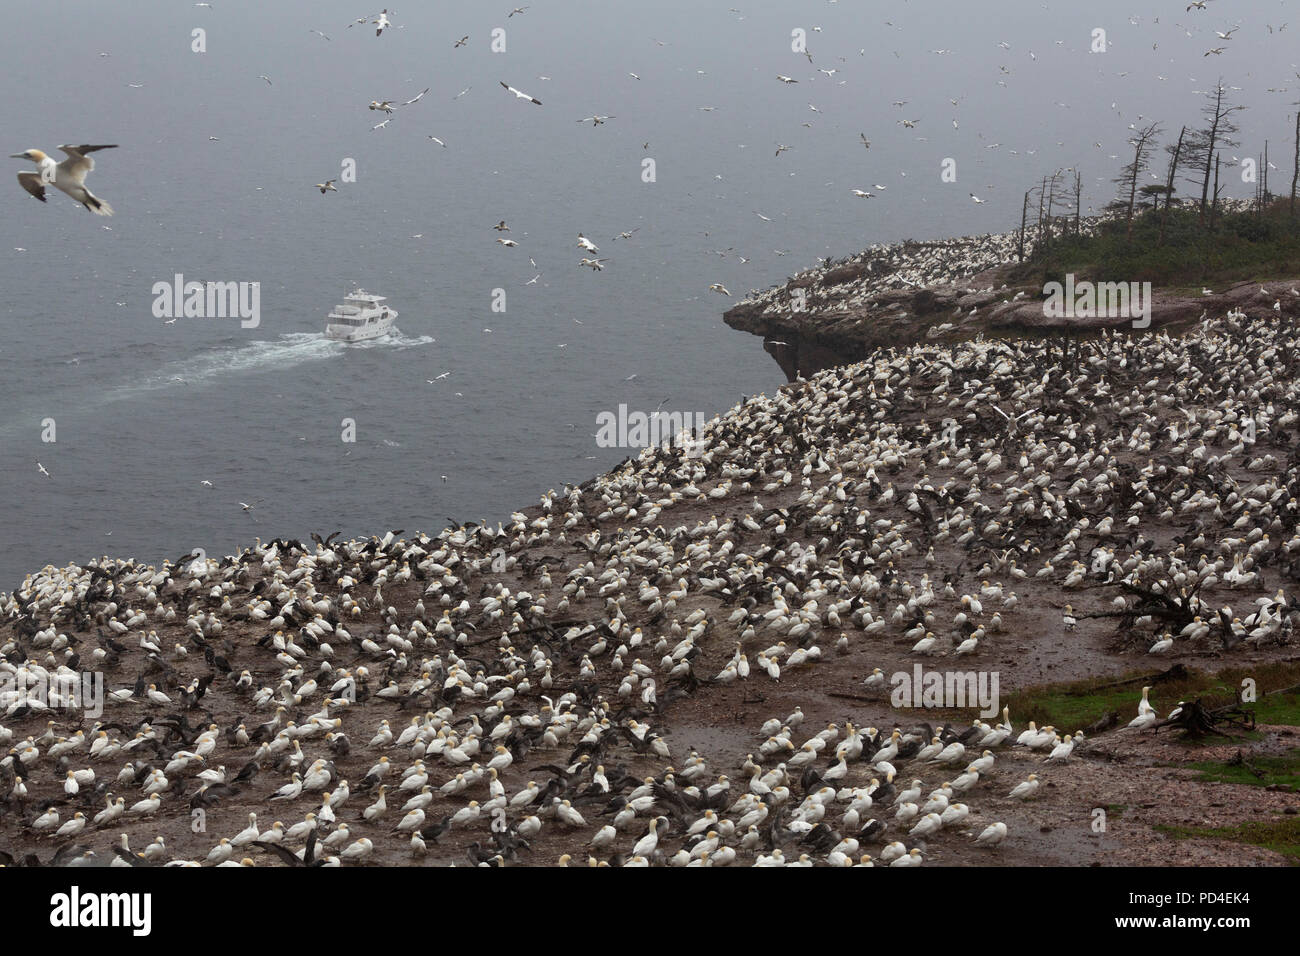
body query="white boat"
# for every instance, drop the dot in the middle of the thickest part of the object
(361, 316)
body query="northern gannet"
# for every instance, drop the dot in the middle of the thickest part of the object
(992, 835)
(1025, 789)
(68, 176)
(519, 93)
(388, 107)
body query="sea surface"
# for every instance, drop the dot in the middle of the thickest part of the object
(212, 179)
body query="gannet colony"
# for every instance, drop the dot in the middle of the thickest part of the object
(887, 294)
(683, 661)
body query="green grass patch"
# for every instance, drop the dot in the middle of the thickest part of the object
(1243, 246)
(1281, 835)
(1258, 771)
(1073, 706)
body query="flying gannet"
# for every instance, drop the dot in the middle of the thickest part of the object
(520, 93)
(68, 176)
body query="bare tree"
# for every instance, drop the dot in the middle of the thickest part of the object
(1296, 175)
(1214, 203)
(1217, 135)
(1175, 152)
(1265, 193)
(1129, 175)
(1024, 214)
(1078, 199)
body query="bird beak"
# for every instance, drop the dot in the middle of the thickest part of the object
(17, 155)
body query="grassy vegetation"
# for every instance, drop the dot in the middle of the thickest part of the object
(1243, 246)
(1257, 771)
(1281, 835)
(1073, 706)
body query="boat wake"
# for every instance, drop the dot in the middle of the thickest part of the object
(216, 364)
(287, 351)
(290, 349)
(394, 340)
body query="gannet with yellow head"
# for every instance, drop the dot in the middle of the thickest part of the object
(68, 176)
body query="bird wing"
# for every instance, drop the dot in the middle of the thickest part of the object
(78, 163)
(417, 96)
(128, 857)
(520, 93)
(31, 182)
(286, 855)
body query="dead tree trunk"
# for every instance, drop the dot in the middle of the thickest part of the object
(1295, 176)
(1196, 720)
(1214, 203)
(1169, 184)
(1024, 214)
(1078, 200)
(1264, 191)
(1209, 148)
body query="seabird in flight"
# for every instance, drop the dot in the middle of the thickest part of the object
(68, 176)
(519, 93)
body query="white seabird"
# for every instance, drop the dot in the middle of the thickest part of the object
(68, 176)
(520, 93)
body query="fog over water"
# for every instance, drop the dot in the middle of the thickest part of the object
(212, 179)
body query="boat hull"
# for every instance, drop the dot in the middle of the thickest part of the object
(373, 330)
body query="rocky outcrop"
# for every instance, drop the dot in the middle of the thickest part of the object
(841, 313)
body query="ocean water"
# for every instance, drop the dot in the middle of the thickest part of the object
(212, 179)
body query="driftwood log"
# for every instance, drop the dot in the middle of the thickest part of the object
(1196, 720)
